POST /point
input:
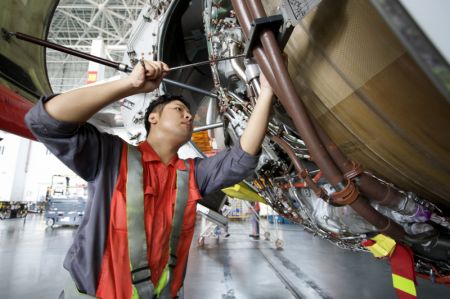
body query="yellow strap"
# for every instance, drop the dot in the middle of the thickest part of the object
(404, 284)
(134, 294)
(162, 281)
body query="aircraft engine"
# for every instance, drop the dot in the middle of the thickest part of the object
(290, 176)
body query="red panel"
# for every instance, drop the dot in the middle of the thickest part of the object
(12, 111)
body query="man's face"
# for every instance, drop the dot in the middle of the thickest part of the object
(175, 120)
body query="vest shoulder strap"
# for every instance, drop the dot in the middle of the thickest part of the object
(137, 241)
(177, 225)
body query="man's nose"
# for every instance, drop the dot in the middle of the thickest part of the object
(187, 115)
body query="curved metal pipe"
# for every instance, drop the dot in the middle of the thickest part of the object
(301, 170)
(234, 63)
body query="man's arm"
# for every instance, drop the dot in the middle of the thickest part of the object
(80, 104)
(231, 166)
(59, 121)
(225, 169)
(256, 128)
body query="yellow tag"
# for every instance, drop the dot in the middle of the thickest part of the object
(383, 246)
(242, 191)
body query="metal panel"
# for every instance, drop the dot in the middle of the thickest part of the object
(23, 66)
(367, 91)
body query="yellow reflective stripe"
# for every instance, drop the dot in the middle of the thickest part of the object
(162, 281)
(161, 284)
(404, 284)
(134, 294)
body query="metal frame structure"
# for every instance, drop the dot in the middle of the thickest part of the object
(76, 23)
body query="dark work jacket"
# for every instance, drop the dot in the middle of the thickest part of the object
(95, 157)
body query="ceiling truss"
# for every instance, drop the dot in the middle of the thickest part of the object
(75, 24)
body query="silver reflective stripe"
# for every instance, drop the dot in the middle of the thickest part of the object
(137, 241)
(177, 224)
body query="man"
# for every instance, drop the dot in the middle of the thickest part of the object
(102, 259)
(254, 219)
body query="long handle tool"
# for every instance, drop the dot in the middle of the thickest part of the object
(116, 65)
(205, 62)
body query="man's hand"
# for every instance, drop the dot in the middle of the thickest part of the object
(256, 127)
(146, 79)
(80, 104)
(266, 89)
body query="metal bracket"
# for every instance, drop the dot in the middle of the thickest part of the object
(272, 23)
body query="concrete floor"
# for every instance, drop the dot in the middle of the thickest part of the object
(234, 268)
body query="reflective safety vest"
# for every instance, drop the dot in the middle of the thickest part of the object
(142, 286)
(137, 241)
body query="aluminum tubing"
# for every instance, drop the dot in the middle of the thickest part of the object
(234, 63)
(294, 107)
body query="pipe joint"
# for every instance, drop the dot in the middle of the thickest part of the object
(355, 170)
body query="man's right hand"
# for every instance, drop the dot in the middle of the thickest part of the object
(148, 79)
(79, 105)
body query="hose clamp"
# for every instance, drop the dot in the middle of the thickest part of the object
(346, 196)
(354, 172)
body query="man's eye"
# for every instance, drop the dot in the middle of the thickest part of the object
(178, 108)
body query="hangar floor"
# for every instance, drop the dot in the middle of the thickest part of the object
(233, 268)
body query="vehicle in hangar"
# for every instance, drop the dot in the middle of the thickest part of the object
(358, 146)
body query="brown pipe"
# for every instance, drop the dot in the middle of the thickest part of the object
(292, 103)
(382, 223)
(383, 194)
(361, 206)
(371, 188)
(298, 113)
(301, 170)
(244, 20)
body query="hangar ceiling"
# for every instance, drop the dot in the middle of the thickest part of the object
(75, 24)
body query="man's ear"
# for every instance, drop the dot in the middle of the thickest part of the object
(153, 118)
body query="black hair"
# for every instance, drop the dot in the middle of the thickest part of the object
(160, 103)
